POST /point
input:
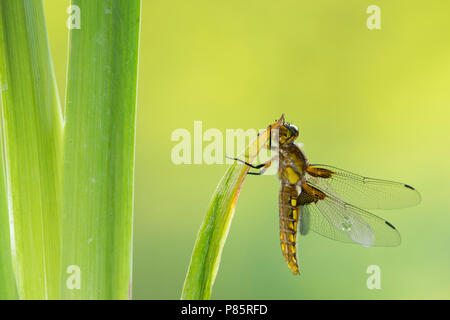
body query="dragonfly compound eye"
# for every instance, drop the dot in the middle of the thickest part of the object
(292, 130)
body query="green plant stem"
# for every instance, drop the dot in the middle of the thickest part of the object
(99, 149)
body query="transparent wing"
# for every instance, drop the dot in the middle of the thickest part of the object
(362, 191)
(337, 220)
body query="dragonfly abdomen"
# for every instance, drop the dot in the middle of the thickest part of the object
(289, 216)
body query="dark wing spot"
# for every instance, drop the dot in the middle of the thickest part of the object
(390, 225)
(408, 186)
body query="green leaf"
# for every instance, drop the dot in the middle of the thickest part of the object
(32, 140)
(213, 232)
(8, 290)
(99, 150)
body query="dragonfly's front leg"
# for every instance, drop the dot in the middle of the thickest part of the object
(269, 145)
(263, 166)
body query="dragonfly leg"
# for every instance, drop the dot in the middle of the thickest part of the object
(269, 141)
(263, 166)
(249, 164)
(269, 145)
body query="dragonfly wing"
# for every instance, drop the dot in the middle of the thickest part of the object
(362, 191)
(338, 220)
(305, 221)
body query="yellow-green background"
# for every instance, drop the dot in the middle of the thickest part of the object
(374, 102)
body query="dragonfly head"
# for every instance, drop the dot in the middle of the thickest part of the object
(287, 133)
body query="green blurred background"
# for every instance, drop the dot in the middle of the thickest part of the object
(375, 102)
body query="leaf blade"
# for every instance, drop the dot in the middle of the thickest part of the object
(7, 277)
(32, 140)
(99, 149)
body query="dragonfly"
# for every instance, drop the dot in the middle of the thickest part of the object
(330, 201)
